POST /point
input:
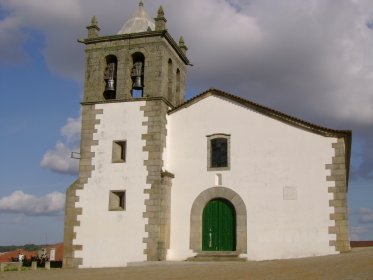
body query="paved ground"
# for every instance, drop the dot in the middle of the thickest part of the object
(355, 265)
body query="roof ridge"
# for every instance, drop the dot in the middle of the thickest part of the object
(273, 112)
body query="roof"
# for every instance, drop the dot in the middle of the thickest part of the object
(140, 22)
(290, 120)
(7, 256)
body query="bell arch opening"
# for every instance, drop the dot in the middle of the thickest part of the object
(221, 194)
(110, 76)
(137, 75)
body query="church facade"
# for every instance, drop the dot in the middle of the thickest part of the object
(164, 179)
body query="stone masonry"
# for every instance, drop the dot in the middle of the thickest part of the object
(157, 51)
(89, 121)
(159, 201)
(339, 201)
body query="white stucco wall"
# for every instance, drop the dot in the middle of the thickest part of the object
(113, 238)
(266, 156)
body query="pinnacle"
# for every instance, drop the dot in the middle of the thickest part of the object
(160, 11)
(181, 41)
(94, 20)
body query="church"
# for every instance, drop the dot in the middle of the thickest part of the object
(164, 179)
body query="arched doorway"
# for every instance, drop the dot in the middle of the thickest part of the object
(196, 215)
(219, 226)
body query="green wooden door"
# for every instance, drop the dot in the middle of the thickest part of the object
(219, 226)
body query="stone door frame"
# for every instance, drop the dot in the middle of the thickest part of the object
(196, 217)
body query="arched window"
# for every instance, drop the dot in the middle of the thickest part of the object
(218, 152)
(137, 75)
(110, 77)
(170, 80)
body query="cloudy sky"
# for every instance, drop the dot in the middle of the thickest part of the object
(311, 59)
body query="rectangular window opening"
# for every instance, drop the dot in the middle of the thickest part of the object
(117, 200)
(119, 151)
(218, 152)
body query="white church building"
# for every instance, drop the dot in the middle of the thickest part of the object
(166, 179)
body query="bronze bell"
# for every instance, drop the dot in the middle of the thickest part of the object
(137, 74)
(110, 86)
(138, 83)
(109, 77)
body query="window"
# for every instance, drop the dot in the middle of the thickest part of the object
(119, 151)
(218, 149)
(170, 81)
(117, 200)
(179, 98)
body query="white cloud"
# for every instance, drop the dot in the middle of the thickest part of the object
(311, 59)
(59, 160)
(21, 203)
(316, 53)
(71, 131)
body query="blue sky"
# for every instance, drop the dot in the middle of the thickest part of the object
(312, 60)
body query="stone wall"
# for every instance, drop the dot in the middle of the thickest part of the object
(89, 120)
(339, 200)
(157, 52)
(158, 204)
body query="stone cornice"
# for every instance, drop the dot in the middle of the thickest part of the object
(120, 100)
(163, 33)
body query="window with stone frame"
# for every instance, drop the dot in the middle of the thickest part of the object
(218, 152)
(119, 151)
(117, 200)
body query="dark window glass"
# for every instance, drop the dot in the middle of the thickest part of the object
(219, 152)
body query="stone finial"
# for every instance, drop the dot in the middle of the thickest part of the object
(141, 3)
(94, 20)
(160, 12)
(160, 20)
(93, 29)
(182, 45)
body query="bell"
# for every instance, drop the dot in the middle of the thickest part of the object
(110, 85)
(138, 83)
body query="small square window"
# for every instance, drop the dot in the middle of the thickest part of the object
(117, 201)
(119, 151)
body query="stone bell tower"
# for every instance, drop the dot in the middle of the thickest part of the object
(118, 210)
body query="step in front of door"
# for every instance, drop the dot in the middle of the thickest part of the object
(217, 256)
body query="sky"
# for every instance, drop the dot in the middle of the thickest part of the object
(310, 59)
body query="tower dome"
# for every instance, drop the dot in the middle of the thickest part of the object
(140, 22)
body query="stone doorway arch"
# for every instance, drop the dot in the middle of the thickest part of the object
(196, 217)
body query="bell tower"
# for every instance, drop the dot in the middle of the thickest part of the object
(119, 207)
(141, 61)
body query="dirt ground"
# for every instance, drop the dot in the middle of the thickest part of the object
(357, 264)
